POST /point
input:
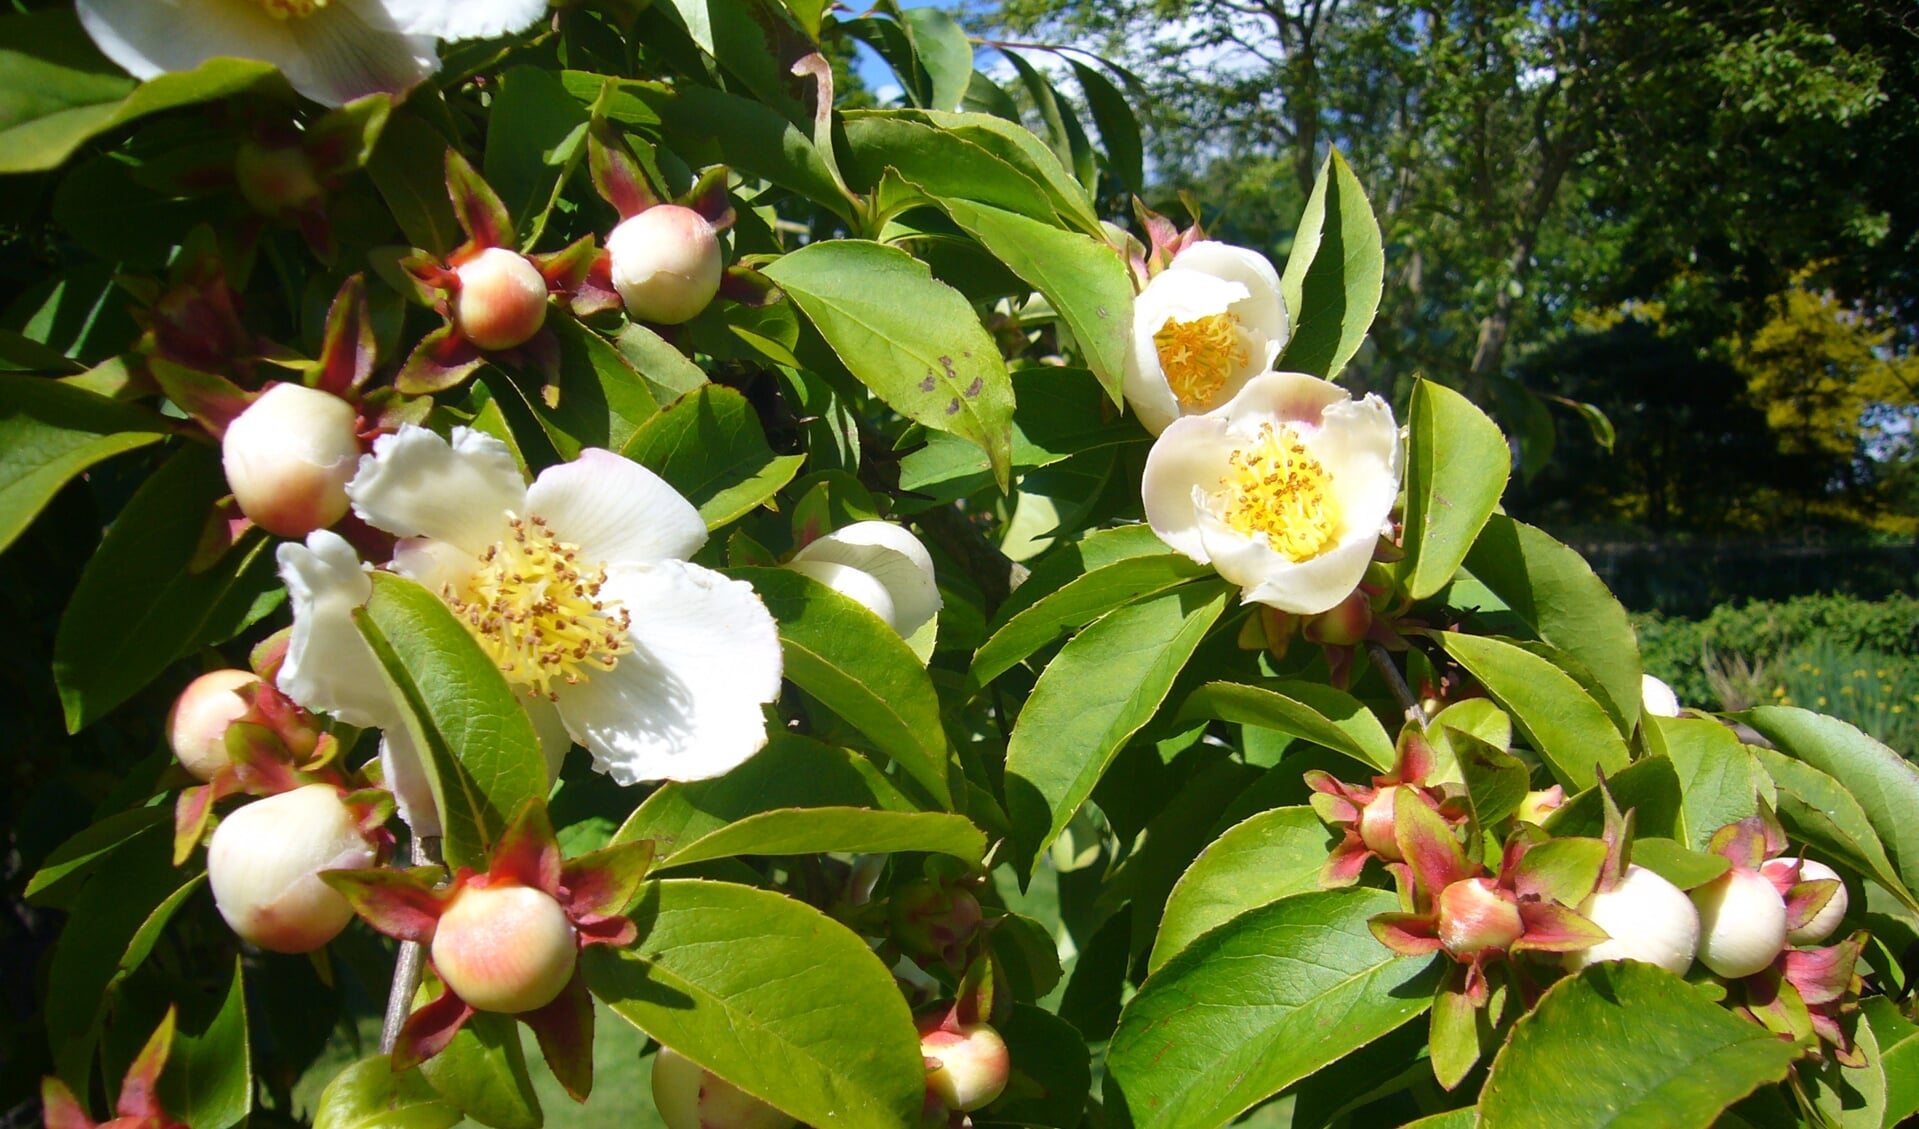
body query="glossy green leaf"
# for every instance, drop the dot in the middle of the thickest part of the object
(1561, 722)
(483, 1073)
(1898, 1041)
(1850, 1097)
(1554, 592)
(848, 659)
(1626, 1043)
(1118, 127)
(913, 340)
(1332, 281)
(753, 40)
(1648, 786)
(50, 432)
(1817, 809)
(771, 995)
(811, 831)
(1717, 776)
(369, 1095)
(138, 606)
(480, 751)
(1051, 1073)
(1063, 131)
(602, 401)
(1061, 566)
(536, 136)
(1496, 781)
(1257, 1004)
(940, 44)
(209, 1077)
(1016, 145)
(1275, 854)
(1456, 469)
(1077, 603)
(1311, 711)
(1102, 687)
(74, 859)
(709, 445)
(1027, 953)
(408, 166)
(667, 371)
(1679, 865)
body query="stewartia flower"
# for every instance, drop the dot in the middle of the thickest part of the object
(265, 860)
(1657, 698)
(688, 1096)
(665, 264)
(880, 565)
(332, 51)
(1647, 918)
(508, 940)
(1743, 916)
(1285, 489)
(1203, 327)
(288, 457)
(967, 1064)
(139, 1105)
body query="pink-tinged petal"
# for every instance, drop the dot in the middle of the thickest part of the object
(564, 1029)
(399, 903)
(213, 401)
(59, 1109)
(347, 354)
(260, 759)
(1477, 990)
(1426, 842)
(1552, 928)
(614, 509)
(430, 278)
(429, 1029)
(606, 881)
(417, 484)
(617, 174)
(440, 361)
(1844, 1051)
(526, 852)
(709, 198)
(1345, 863)
(328, 665)
(1825, 976)
(139, 1093)
(477, 206)
(606, 929)
(1408, 934)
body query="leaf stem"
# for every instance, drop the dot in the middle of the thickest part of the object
(407, 970)
(1382, 660)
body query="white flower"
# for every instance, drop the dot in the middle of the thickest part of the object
(577, 586)
(332, 51)
(881, 566)
(1203, 327)
(1284, 490)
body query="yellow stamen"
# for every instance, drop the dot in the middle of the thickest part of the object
(1200, 356)
(1276, 489)
(537, 612)
(291, 9)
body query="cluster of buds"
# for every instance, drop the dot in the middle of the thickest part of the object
(1367, 815)
(936, 921)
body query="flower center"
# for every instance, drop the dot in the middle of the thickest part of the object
(1199, 356)
(537, 612)
(291, 9)
(1277, 490)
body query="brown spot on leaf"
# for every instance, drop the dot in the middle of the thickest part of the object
(927, 384)
(952, 406)
(973, 389)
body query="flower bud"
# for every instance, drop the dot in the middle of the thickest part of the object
(1791, 872)
(197, 724)
(1649, 919)
(288, 458)
(665, 264)
(1475, 916)
(966, 1069)
(276, 180)
(1538, 805)
(1376, 824)
(885, 555)
(264, 864)
(1345, 625)
(689, 1097)
(934, 921)
(1657, 698)
(501, 299)
(507, 948)
(1742, 923)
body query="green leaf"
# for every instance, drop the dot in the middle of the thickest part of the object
(1078, 603)
(1311, 711)
(536, 134)
(1015, 145)
(1679, 865)
(1626, 1043)
(1051, 1073)
(1333, 278)
(810, 831)
(709, 445)
(1816, 809)
(1257, 1004)
(771, 995)
(602, 401)
(753, 40)
(941, 46)
(483, 1073)
(1717, 777)
(1456, 469)
(1063, 130)
(1118, 127)
(74, 859)
(667, 372)
(1101, 689)
(858, 667)
(138, 606)
(1061, 566)
(57, 90)
(50, 432)
(1085, 279)
(369, 1095)
(1850, 1097)
(1886, 785)
(1275, 854)
(1027, 953)
(914, 341)
(1898, 1043)
(408, 166)
(1496, 781)
(480, 750)
(1649, 786)
(209, 1076)
(1562, 722)
(1554, 592)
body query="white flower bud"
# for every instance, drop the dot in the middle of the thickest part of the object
(689, 1097)
(1742, 923)
(197, 724)
(666, 264)
(972, 1065)
(501, 300)
(1657, 698)
(288, 458)
(1829, 915)
(882, 566)
(507, 948)
(264, 864)
(1649, 919)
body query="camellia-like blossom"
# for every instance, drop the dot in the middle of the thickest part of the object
(1203, 327)
(880, 565)
(1285, 489)
(577, 586)
(332, 51)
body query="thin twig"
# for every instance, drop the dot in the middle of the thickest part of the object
(1389, 670)
(412, 959)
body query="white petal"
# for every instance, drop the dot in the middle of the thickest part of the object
(416, 484)
(1657, 698)
(891, 555)
(554, 739)
(1279, 398)
(405, 776)
(855, 584)
(349, 50)
(684, 704)
(1262, 310)
(1185, 465)
(614, 509)
(464, 19)
(328, 665)
(1268, 577)
(438, 566)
